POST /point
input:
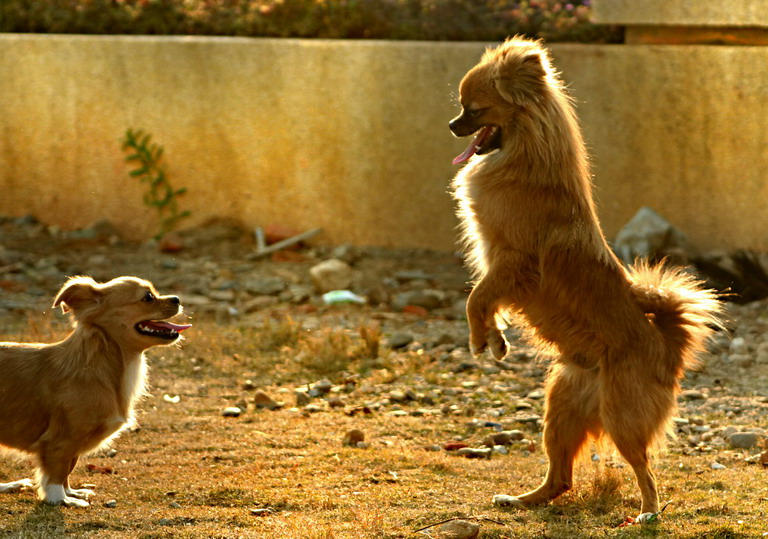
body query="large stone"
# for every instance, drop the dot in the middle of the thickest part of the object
(648, 234)
(332, 274)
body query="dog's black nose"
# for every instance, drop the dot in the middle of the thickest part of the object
(174, 299)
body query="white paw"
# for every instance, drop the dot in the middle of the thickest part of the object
(15, 486)
(502, 500)
(646, 518)
(56, 495)
(82, 493)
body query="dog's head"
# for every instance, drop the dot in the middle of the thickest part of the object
(129, 309)
(509, 80)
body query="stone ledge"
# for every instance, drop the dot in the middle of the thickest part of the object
(703, 13)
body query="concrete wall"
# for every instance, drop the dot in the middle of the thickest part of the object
(681, 12)
(352, 135)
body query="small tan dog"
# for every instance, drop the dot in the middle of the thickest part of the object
(59, 401)
(621, 336)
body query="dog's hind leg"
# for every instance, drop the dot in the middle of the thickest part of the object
(571, 417)
(633, 422)
(482, 306)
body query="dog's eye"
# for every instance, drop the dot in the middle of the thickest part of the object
(474, 113)
(148, 297)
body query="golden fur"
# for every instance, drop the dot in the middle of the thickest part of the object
(59, 401)
(622, 336)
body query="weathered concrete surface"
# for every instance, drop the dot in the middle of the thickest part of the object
(352, 135)
(681, 12)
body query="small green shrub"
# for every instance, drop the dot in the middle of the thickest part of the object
(160, 193)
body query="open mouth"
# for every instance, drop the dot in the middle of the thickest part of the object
(161, 329)
(487, 139)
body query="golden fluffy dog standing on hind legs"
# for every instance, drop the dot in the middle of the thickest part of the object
(622, 336)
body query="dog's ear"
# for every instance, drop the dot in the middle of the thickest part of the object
(77, 293)
(521, 79)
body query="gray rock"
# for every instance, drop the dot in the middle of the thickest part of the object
(302, 397)
(505, 437)
(475, 452)
(648, 234)
(399, 340)
(692, 395)
(265, 286)
(428, 299)
(743, 440)
(321, 387)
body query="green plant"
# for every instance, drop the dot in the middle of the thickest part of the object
(160, 193)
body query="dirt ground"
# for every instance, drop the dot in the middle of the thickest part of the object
(396, 368)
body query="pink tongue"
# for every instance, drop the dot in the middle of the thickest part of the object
(174, 327)
(472, 148)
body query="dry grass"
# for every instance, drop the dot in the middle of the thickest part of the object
(189, 472)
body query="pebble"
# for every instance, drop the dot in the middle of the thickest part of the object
(265, 286)
(321, 387)
(459, 529)
(505, 437)
(692, 395)
(110, 503)
(302, 397)
(262, 400)
(313, 408)
(427, 299)
(231, 411)
(743, 440)
(399, 340)
(332, 274)
(475, 452)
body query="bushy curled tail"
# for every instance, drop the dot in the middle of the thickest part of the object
(684, 312)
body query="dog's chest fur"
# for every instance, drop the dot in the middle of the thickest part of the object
(134, 381)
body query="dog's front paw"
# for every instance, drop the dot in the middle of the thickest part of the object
(54, 494)
(502, 500)
(68, 501)
(477, 346)
(82, 493)
(498, 344)
(16, 486)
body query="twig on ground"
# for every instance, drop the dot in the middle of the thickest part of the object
(473, 517)
(269, 249)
